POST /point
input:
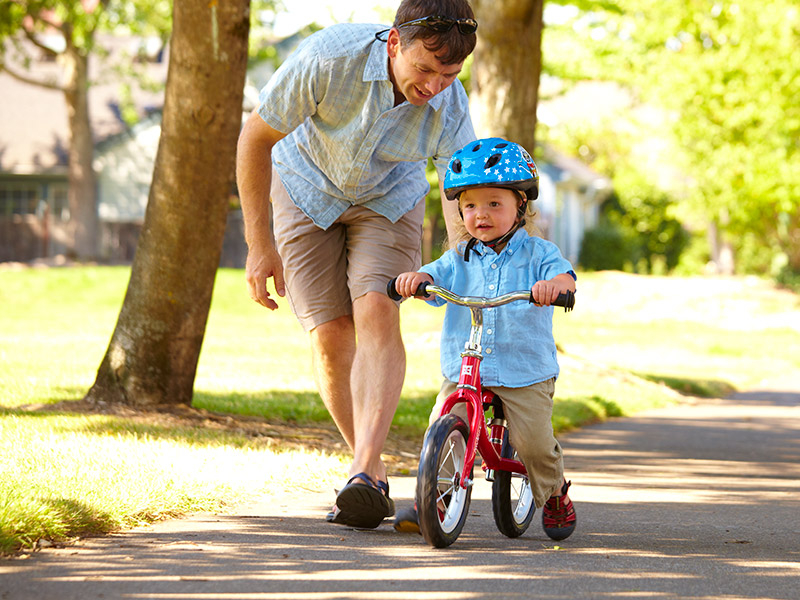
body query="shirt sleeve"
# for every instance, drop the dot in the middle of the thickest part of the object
(552, 263)
(295, 89)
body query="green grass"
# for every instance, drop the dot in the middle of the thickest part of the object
(66, 475)
(632, 343)
(696, 335)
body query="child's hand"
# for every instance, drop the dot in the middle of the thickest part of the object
(545, 292)
(407, 283)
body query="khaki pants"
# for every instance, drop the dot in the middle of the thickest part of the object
(529, 412)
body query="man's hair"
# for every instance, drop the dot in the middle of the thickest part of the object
(451, 47)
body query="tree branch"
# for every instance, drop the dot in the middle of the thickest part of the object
(30, 35)
(30, 80)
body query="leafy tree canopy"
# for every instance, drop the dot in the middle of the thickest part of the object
(725, 77)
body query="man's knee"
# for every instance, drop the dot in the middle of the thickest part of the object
(375, 309)
(332, 335)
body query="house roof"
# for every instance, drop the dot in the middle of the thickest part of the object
(34, 129)
(562, 168)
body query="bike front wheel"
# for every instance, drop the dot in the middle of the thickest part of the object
(512, 499)
(442, 503)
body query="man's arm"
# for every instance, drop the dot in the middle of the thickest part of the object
(254, 177)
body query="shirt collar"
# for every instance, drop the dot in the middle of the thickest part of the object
(377, 69)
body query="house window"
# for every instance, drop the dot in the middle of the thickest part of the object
(18, 199)
(59, 205)
(33, 199)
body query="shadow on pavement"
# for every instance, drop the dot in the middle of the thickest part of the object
(694, 501)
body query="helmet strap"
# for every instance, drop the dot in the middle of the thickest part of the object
(495, 242)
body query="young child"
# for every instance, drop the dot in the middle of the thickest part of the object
(494, 182)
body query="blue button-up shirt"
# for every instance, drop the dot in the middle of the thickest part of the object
(518, 344)
(349, 144)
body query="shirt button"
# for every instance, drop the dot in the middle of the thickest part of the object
(491, 287)
(494, 265)
(488, 351)
(489, 331)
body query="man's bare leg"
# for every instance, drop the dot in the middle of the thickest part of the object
(333, 348)
(376, 380)
(360, 383)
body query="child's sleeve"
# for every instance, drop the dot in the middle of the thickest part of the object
(553, 263)
(441, 271)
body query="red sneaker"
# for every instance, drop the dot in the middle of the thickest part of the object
(558, 515)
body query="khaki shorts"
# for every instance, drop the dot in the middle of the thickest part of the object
(327, 269)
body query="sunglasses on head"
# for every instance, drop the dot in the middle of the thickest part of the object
(443, 24)
(439, 24)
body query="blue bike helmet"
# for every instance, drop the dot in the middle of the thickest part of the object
(491, 162)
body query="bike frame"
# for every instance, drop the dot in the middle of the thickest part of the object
(470, 392)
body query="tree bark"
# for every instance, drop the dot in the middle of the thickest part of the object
(151, 360)
(506, 69)
(84, 222)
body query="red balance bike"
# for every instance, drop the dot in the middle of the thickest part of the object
(445, 475)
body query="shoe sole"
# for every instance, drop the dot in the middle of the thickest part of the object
(407, 527)
(361, 506)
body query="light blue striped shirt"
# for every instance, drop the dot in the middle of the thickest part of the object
(349, 145)
(518, 345)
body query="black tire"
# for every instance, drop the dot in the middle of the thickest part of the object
(512, 500)
(442, 503)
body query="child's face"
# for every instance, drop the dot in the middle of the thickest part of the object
(489, 212)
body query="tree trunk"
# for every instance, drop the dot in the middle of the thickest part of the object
(82, 194)
(152, 357)
(791, 243)
(506, 69)
(722, 253)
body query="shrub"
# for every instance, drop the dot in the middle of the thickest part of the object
(605, 248)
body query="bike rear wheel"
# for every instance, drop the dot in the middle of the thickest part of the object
(442, 503)
(512, 499)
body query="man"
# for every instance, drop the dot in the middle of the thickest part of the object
(340, 141)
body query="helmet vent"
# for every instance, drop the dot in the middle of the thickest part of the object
(476, 147)
(503, 145)
(492, 161)
(456, 166)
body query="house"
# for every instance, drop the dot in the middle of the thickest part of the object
(570, 197)
(124, 165)
(34, 139)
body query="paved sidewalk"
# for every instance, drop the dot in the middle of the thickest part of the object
(695, 501)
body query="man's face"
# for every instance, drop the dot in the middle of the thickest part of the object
(416, 73)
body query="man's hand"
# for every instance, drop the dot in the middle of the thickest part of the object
(263, 263)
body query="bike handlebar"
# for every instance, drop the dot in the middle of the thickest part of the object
(426, 289)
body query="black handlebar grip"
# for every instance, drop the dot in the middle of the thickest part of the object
(422, 290)
(565, 299)
(391, 290)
